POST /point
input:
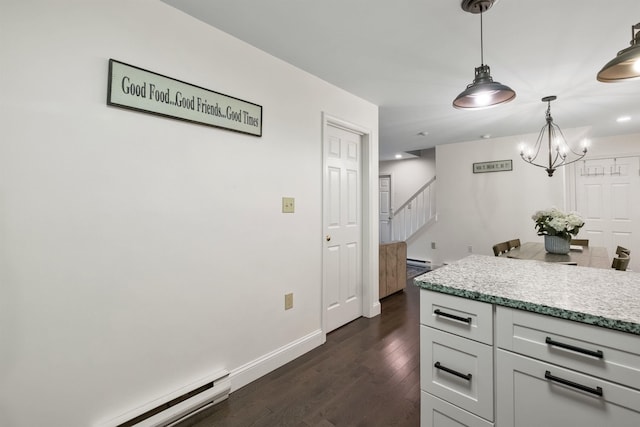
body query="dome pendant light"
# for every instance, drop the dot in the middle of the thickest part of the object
(483, 92)
(626, 64)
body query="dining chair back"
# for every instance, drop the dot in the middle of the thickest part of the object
(621, 250)
(515, 243)
(621, 262)
(500, 248)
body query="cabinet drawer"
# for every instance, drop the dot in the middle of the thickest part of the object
(436, 412)
(460, 316)
(594, 350)
(457, 370)
(532, 393)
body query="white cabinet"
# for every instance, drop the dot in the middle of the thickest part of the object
(438, 413)
(456, 361)
(530, 369)
(459, 316)
(604, 353)
(554, 372)
(532, 393)
(457, 370)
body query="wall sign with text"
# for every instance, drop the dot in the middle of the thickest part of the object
(137, 89)
(495, 166)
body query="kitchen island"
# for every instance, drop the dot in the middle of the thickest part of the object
(506, 342)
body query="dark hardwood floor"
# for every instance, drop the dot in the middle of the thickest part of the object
(366, 374)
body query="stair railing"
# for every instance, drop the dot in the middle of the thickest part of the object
(415, 213)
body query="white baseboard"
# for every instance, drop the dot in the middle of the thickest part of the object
(375, 310)
(261, 366)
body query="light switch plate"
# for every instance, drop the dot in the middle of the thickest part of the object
(288, 205)
(288, 301)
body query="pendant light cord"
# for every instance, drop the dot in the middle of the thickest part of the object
(481, 41)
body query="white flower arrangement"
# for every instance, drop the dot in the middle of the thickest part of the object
(554, 222)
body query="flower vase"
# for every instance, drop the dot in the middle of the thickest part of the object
(556, 245)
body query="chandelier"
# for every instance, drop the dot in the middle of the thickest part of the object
(559, 152)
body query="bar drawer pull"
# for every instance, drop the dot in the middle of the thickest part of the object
(452, 316)
(597, 391)
(597, 353)
(452, 372)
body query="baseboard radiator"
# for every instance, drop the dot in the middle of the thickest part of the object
(419, 263)
(174, 407)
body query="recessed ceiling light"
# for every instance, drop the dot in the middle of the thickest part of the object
(398, 156)
(486, 136)
(623, 119)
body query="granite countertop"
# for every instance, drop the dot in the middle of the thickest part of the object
(601, 297)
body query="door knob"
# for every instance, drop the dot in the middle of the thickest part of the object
(328, 238)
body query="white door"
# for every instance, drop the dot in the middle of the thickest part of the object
(384, 189)
(607, 197)
(342, 260)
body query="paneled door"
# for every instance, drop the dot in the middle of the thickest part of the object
(384, 189)
(607, 197)
(342, 260)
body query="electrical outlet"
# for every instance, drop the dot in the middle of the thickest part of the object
(470, 249)
(288, 205)
(433, 245)
(288, 301)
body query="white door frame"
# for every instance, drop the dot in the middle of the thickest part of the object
(370, 225)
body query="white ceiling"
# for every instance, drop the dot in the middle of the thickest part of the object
(413, 57)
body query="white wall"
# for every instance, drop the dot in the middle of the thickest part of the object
(479, 210)
(139, 253)
(620, 145)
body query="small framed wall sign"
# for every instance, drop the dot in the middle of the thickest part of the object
(494, 166)
(134, 88)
